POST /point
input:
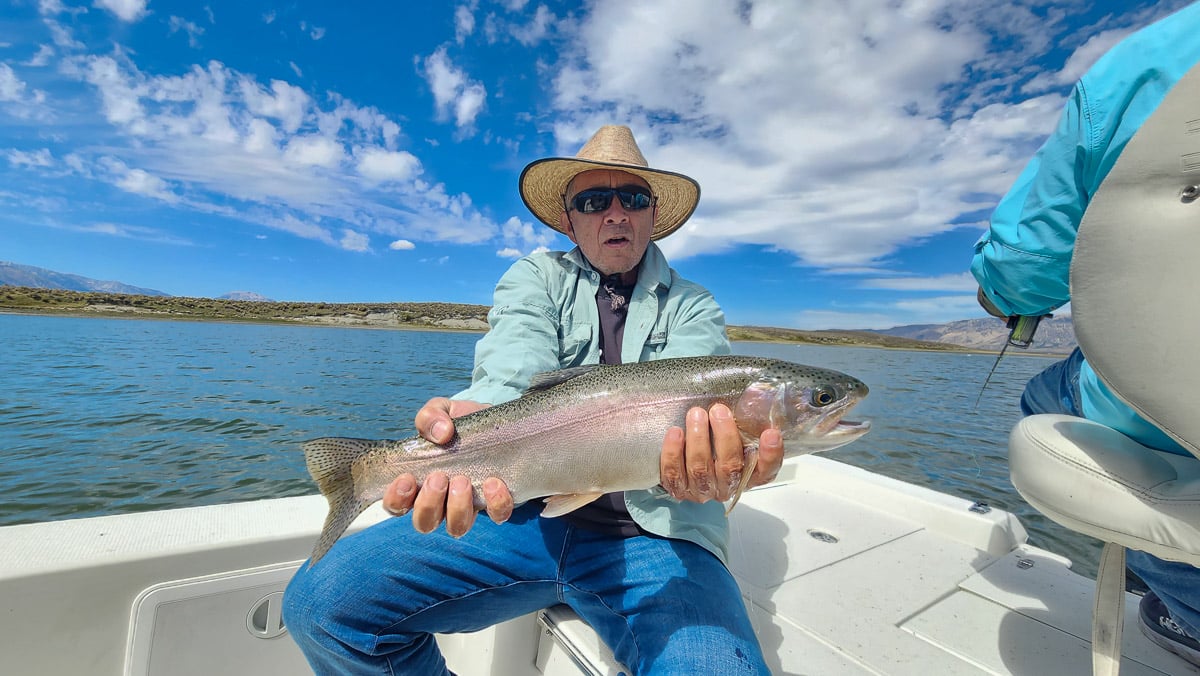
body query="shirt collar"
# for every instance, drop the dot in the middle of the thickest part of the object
(654, 273)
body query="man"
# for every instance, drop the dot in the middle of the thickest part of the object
(1022, 265)
(645, 569)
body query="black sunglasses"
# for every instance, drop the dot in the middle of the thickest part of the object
(632, 197)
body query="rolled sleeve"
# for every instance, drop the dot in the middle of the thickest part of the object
(1023, 261)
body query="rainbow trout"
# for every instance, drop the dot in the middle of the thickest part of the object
(581, 432)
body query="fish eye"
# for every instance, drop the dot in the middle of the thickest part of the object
(823, 396)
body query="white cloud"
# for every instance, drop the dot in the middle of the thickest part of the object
(523, 237)
(469, 104)
(50, 7)
(128, 11)
(453, 91)
(402, 245)
(835, 132)
(42, 58)
(377, 164)
(37, 158)
(314, 151)
(16, 100)
(314, 32)
(464, 22)
(536, 30)
(220, 142)
(355, 241)
(960, 282)
(1078, 63)
(12, 88)
(176, 24)
(875, 315)
(284, 102)
(135, 181)
(125, 231)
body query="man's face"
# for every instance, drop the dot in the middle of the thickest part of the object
(613, 239)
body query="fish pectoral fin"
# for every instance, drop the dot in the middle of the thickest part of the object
(747, 472)
(557, 505)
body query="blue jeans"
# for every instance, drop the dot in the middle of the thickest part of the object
(372, 604)
(1056, 390)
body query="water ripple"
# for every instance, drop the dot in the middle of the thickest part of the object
(102, 416)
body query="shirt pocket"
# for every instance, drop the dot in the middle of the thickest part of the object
(574, 344)
(654, 345)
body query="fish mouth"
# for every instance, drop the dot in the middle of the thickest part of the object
(851, 428)
(833, 430)
(836, 434)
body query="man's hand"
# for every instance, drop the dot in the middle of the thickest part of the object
(442, 497)
(705, 461)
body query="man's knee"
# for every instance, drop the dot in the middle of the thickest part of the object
(309, 602)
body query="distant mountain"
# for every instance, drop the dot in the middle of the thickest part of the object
(41, 278)
(245, 295)
(1055, 334)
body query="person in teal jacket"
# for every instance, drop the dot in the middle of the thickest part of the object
(1022, 264)
(646, 569)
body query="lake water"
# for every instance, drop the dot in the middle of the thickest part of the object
(106, 416)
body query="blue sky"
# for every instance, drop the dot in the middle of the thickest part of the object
(849, 151)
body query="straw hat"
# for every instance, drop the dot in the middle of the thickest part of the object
(544, 182)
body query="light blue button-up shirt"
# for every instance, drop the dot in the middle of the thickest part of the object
(1023, 261)
(544, 318)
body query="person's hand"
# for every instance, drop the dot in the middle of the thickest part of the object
(442, 497)
(706, 460)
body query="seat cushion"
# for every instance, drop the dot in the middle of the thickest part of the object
(1095, 480)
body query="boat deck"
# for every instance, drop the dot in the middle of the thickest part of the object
(845, 572)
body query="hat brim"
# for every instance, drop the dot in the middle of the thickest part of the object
(544, 182)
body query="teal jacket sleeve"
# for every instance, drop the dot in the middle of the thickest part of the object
(522, 339)
(1023, 261)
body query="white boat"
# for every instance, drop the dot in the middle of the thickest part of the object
(845, 572)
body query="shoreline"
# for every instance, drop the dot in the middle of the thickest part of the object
(460, 324)
(405, 316)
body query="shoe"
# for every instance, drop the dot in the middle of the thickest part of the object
(1156, 623)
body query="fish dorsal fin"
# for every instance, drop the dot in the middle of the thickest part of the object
(548, 379)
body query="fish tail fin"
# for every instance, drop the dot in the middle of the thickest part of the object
(330, 462)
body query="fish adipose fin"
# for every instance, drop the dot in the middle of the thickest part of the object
(557, 505)
(331, 463)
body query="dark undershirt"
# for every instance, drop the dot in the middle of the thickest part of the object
(608, 514)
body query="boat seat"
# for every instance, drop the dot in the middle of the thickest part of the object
(1136, 317)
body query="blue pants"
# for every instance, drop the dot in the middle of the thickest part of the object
(371, 605)
(1056, 390)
